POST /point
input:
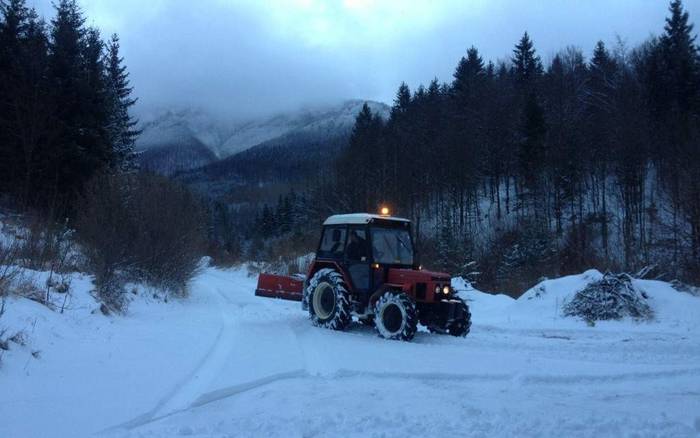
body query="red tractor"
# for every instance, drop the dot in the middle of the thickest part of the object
(365, 267)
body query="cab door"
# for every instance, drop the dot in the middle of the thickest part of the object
(357, 258)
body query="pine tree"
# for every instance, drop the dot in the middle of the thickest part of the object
(34, 108)
(600, 108)
(357, 168)
(71, 162)
(532, 155)
(122, 127)
(680, 57)
(678, 108)
(401, 101)
(267, 223)
(12, 28)
(602, 75)
(468, 76)
(527, 66)
(95, 102)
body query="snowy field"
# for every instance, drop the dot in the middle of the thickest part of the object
(225, 363)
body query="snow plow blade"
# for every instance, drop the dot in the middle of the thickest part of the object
(280, 286)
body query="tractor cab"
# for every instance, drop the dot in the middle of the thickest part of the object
(366, 246)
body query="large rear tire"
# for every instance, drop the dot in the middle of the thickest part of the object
(395, 316)
(328, 300)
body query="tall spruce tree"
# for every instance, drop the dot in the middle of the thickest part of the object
(600, 108)
(468, 79)
(95, 102)
(680, 115)
(532, 156)
(680, 58)
(72, 164)
(12, 28)
(122, 126)
(527, 66)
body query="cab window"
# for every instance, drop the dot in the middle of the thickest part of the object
(357, 248)
(333, 242)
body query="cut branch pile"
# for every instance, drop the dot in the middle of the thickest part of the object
(612, 297)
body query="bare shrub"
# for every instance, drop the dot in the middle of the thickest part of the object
(8, 267)
(45, 244)
(517, 258)
(27, 288)
(140, 227)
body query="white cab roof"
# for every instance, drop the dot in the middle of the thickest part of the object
(359, 218)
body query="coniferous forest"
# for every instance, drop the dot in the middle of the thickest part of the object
(67, 161)
(534, 168)
(64, 105)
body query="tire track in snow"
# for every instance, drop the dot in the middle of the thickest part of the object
(234, 390)
(188, 390)
(527, 379)
(209, 397)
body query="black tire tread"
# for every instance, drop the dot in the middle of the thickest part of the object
(342, 315)
(411, 322)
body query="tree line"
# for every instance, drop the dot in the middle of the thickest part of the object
(539, 169)
(64, 105)
(67, 157)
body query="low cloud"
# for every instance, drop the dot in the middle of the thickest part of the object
(247, 58)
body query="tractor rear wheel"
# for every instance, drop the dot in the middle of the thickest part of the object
(460, 327)
(329, 300)
(395, 316)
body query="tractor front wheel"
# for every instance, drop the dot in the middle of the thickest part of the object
(329, 300)
(461, 326)
(395, 316)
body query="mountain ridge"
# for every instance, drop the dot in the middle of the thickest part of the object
(188, 132)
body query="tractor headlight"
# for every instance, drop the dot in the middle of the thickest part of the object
(446, 290)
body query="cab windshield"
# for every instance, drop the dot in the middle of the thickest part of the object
(391, 246)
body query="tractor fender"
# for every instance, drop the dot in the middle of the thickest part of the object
(388, 286)
(317, 265)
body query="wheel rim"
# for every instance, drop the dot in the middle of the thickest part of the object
(324, 300)
(392, 317)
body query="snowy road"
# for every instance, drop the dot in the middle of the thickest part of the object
(269, 373)
(249, 366)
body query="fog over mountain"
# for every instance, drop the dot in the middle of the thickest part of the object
(186, 138)
(252, 58)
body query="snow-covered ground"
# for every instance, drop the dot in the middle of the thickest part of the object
(225, 363)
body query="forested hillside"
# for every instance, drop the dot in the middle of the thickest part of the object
(516, 168)
(67, 167)
(540, 169)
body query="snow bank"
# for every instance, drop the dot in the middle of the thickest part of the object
(542, 306)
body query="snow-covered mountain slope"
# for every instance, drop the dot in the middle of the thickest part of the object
(228, 363)
(190, 129)
(322, 122)
(174, 158)
(179, 128)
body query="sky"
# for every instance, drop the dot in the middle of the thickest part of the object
(248, 58)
